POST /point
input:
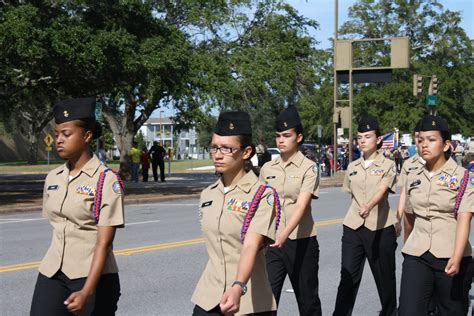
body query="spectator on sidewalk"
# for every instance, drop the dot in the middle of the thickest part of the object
(158, 154)
(134, 154)
(145, 162)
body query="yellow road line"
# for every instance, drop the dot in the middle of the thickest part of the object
(141, 249)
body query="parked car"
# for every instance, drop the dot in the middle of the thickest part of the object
(275, 152)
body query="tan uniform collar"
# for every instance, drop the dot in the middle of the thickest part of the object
(378, 160)
(296, 159)
(89, 168)
(449, 167)
(245, 183)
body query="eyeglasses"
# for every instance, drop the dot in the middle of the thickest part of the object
(223, 150)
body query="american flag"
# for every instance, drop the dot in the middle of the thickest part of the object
(389, 141)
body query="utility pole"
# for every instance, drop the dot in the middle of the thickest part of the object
(336, 13)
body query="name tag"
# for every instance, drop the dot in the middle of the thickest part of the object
(415, 183)
(412, 168)
(53, 187)
(353, 173)
(271, 177)
(208, 203)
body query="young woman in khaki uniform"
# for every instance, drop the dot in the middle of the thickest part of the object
(79, 274)
(412, 164)
(296, 250)
(235, 278)
(437, 253)
(368, 228)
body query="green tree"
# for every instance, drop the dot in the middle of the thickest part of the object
(438, 46)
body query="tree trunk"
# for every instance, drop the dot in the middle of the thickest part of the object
(123, 138)
(32, 148)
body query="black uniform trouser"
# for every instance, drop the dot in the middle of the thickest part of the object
(378, 247)
(299, 259)
(50, 294)
(424, 277)
(216, 311)
(154, 166)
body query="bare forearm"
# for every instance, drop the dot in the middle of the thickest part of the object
(377, 197)
(104, 243)
(401, 204)
(408, 222)
(304, 199)
(248, 256)
(463, 228)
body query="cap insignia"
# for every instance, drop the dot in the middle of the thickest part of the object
(433, 123)
(368, 127)
(231, 126)
(66, 113)
(285, 123)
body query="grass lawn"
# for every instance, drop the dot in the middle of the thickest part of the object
(43, 167)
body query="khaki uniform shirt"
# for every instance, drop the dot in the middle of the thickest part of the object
(362, 183)
(68, 205)
(412, 164)
(299, 174)
(222, 215)
(432, 199)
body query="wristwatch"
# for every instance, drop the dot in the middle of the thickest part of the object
(242, 285)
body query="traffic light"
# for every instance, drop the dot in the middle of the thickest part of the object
(433, 89)
(417, 85)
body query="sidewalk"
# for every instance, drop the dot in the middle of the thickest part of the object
(24, 192)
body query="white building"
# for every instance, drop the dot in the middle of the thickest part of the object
(163, 130)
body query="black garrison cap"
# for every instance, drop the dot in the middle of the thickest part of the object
(288, 118)
(368, 123)
(418, 126)
(74, 109)
(233, 123)
(433, 123)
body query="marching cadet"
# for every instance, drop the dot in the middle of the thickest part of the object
(437, 252)
(296, 250)
(368, 228)
(84, 204)
(238, 220)
(412, 164)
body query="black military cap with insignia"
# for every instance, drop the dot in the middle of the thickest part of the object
(433, 123)
(74, 109)
(368, 123)
(288, 118)
(233, 123)
(418, 126)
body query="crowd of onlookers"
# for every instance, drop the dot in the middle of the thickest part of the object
(462, 153)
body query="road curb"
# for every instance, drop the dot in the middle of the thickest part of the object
(138, 200)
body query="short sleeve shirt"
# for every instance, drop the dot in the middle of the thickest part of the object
(362, 183)
(68, 205)
(299, 174)
(433, 199)
(222, 215)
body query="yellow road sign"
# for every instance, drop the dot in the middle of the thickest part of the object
(48, 140)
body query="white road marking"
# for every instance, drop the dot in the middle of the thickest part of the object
(18, 220)
(139, 223)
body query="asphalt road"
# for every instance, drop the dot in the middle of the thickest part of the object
(161, 256)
